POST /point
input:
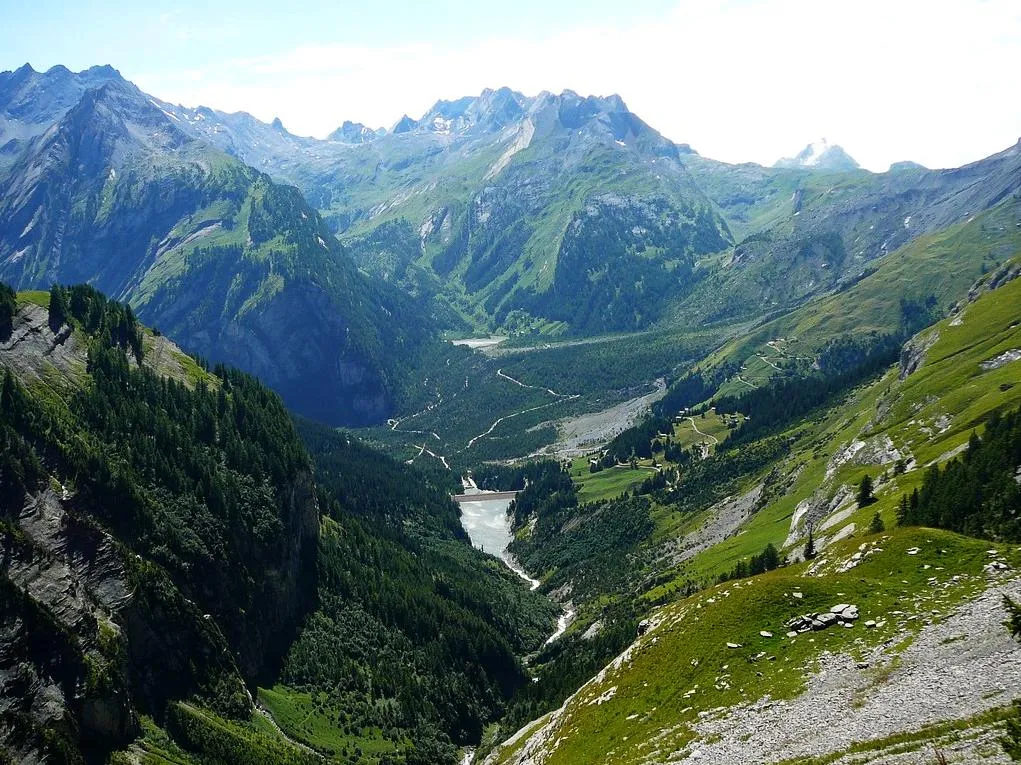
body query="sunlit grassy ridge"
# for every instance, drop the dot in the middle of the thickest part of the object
(926, 416)
(888, 428)
(941, 266)
(644, 704)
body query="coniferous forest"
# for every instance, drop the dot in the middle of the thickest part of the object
(343, 575)
(977, 493)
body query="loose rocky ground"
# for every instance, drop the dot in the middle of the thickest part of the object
(953, 669)
(582, 434)
(723, 519)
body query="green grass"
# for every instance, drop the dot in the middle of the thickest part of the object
(713, 426)
(688, 651)
(608, 483)
(317, 722)
(154, 747)
(219, 738)
(950, 383)
(40, 298)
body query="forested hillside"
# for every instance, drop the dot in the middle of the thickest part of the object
(416, 634)
(166, 545)
(164, 532)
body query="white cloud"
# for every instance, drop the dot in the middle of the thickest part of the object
(741, 80)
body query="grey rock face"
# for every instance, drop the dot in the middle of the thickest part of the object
(33, 347)
(70, 571)
(912, 355)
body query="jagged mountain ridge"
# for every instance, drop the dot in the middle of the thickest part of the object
(559, 213)
(31, 101)
(401, 203)
(435, 181)
(490, 196)
(234, 266)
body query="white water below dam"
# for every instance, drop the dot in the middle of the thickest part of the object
(488, 527)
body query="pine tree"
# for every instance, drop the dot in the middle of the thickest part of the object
(58, 308)
(810, 545)
(770, 557)
(8, 307)
(902, 510)
(865, 497)
(877, 526)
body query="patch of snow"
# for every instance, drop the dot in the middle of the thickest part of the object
(169, 114)
(815, 152)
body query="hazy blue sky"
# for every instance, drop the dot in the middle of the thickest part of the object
(740, 80)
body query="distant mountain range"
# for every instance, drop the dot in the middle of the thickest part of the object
(567, 214)
(555, 214)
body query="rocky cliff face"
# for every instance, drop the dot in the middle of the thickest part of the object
(65, 588)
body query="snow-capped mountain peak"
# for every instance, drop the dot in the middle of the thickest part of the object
(820, 155)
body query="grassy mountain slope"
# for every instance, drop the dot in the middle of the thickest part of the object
(806, 233)
(907, 288)
(682, 692)
(722, 511)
